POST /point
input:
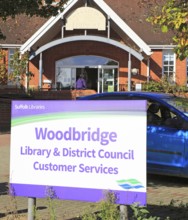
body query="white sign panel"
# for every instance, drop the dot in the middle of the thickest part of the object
(78, 149)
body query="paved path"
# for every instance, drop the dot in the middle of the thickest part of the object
(161, 191)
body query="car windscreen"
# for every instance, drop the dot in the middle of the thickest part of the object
(178, 102)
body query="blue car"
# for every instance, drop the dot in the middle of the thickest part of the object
(167, 130)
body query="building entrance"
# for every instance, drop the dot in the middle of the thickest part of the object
(100, 74)
(107, 80)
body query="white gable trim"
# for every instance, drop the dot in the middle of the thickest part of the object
(162, 47)
(124, 27)
(41, 31)
(10, 46)
(87, 38)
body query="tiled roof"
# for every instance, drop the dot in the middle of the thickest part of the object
(20, 29)
(135, 17)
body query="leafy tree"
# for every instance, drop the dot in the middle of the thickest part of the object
(18, 66)
(3, 69)
(170, 15)
(12, 8)
(42, 8)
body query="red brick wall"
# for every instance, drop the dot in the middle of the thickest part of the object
(62, 94)
(34, 68)
(78, 48)
(181, 78)
(156, 63)
(101, 49)
(87, 48)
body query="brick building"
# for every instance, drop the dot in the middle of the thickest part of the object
(108, 41)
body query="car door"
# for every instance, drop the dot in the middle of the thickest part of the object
(165, 142)
(165, 146)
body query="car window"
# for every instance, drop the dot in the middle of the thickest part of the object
(153, 113)
(111, 97)
(179, 102)
(158, 114)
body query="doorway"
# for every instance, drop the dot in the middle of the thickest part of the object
(101, 73)
(90, 76)
(107, 80)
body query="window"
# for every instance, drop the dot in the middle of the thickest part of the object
(16, 81)
(168, 64)
(160, 115)
(10, 57)
(100, 73)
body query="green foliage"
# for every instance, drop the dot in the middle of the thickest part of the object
(51, 196)
(164, 86)
(89, 216)
(172, 16)
(30, 7)
(141, 213)
(18, 66)
(152, 86)
(47, 8)
(138, 212)
(3, 69)
(108, 210)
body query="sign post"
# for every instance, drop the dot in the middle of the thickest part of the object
(31, 208)
(123, 212)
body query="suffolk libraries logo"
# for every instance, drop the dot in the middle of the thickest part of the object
(29, 107)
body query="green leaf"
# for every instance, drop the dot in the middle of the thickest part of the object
(164, 29)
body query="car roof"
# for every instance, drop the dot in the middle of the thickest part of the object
(132, 93)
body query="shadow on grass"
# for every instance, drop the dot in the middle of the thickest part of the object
(173, 212)
(162, 212)
(158, 181)
(4, 190)
(21, 211)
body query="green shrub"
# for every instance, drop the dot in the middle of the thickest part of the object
(164, 86)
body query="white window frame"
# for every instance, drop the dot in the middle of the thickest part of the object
(169, 61)
(11, 52)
